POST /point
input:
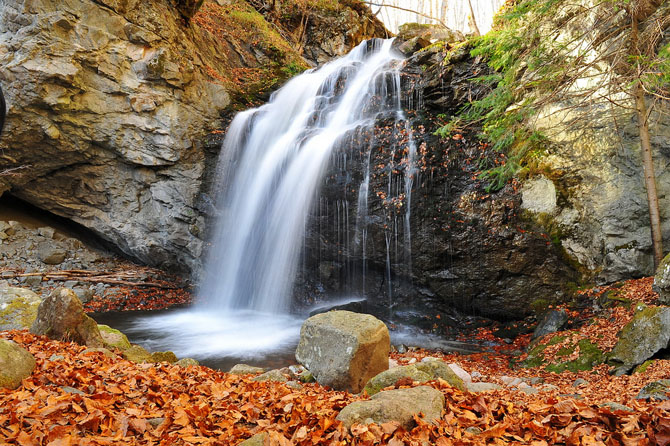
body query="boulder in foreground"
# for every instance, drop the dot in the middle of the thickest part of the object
(343, 350)
(400, 405)
(61, 316)
(16, 363)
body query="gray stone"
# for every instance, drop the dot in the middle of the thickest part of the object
(539, 195)
(244, 369)
(400, 405)
(580, 382)
(186, 362)
(51, 254)
(72, 390)
(616, 407)
(460, 372)
(33, 281)
(553, 321)
(256, 440)
(46, 232)
(656, 390)
(272, 375)
(61, 316)
(646, 333)
(16, 364)
(481, 387)
(343, 350)
(662, 281)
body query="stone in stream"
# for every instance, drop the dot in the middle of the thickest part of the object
(343, 350)
(400, 405)
(16, 363)
(61, 316)
(245, 369)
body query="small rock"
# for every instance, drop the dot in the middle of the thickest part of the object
(656, 390)
(481, 387)
(16, 364)
(400, 405)
(186, 362)
(473, 430)
(113, 338)
(528, 390)
(51, 254)
(548, 388)
(401, 348)
(580, 382)
(71, 284)
(422, 372)
(616, 407)
(46, 232)
(137, 354)
(476, 375)
(72, 390)
(511, 381)
(294, 385)
(56, 357)
(168, 357)
(460, 372)
(33, 281)
(155, 422)
(244, 369)
(272, 375)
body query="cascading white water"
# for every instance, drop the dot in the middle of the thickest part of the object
(271, 165)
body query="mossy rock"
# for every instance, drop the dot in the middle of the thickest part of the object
(256, 440)
(420, 372)
(589, 356)
(16, 364)
(272, 375)
(535, 357)
(647, 333)
(113, 338)
(186, 362)
(168, 357)
(18, 308)
(643, 367)
(137, 354)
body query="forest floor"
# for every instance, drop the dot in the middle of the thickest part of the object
(78, 397)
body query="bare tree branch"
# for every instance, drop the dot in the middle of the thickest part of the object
(407, 10)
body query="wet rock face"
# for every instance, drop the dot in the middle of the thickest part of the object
(458, 246)
(107, 102)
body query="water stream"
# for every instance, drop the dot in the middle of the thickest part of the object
(271, 166)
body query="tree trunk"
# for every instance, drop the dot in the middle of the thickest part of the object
(475, 28)
(649, 176)
(645, 145)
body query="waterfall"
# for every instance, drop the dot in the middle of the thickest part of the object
(268, 177)
(273, 160)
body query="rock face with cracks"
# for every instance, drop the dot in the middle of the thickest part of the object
(343, 350)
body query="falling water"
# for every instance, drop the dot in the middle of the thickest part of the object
(271, 166)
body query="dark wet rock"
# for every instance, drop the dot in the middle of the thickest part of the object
(343, 350)
(61, 316)
(400, 405)
(16, 363)
(552, 322)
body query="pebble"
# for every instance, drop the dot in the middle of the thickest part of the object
(580, 382)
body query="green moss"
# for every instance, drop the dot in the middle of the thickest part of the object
(113, 338)
(556, 339)
(589, 356)
(565, 351)
(539, 306)
(19, 314)
(643, 367)
(535, 357)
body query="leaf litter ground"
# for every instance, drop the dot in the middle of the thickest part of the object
(81, 397)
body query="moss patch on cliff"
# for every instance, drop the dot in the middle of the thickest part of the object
(259, 57)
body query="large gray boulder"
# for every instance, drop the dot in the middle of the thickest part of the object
(61, 316)
(647, 333)
(16, 363)
(553, 321)
(662, 281)
(421, 372)
(343, 350)
(399, 405)
(18, 307)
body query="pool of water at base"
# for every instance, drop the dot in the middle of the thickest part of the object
(221, 340)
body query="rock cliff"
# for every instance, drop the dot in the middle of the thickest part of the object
(109, 103)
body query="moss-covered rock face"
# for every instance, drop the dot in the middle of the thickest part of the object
(18, 308)
(662, 281)
(429, 32)
(137, 354)
(16, 363)
(168, 357)
(647, 333)
(113, 338)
